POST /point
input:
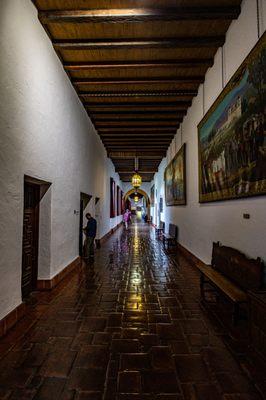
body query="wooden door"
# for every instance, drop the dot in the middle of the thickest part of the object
(30, 238)
(84, 201)
(81, 208)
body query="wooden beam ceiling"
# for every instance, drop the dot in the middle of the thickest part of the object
(136, 69)
(139, 15)
(178, 63)
(170, 93)
(178, 104)
(99, 44)
(122, 81)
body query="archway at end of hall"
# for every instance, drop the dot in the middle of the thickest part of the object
(141, 207)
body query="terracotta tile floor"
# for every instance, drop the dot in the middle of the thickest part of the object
(130, 328)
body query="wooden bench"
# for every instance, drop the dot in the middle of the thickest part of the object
(170, 238)
(159, 230)
(232, 274)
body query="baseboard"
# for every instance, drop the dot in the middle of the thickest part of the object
(108, 234)
(190, 256)
(12, 318)
(49, 284)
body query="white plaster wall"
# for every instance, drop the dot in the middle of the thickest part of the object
(46, 133)
(201, 224)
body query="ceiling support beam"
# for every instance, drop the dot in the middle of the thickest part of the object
(148, 155)
(113, 113)
(133, 15)
(136, 147)
(162, 104)
(169, 93)
(122, 120)
(181, 111)
(137, 135)
(137, 123)
(139, 129)
(139, 139)
(135, 81)
(180, 42)
(178, 63)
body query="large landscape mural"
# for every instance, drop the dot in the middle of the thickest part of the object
(232, 135)
(175, 179)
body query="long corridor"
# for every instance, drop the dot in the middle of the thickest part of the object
(131, 327)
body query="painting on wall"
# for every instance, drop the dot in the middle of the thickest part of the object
(175, 179)
(232, 135)
(152, 196)
(122, 203)
(112, 198)
(118, 202)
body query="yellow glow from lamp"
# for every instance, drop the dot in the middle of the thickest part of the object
(136, 199)
(136, 181)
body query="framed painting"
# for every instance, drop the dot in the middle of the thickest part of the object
(152, 196)
(175, 179)
(118, 203)
(112, 198)
(122, 203)
(232, 135)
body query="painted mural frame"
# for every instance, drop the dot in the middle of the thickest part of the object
(230, 121)
(175, 193)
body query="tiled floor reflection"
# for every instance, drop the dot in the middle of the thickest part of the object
(131, 328)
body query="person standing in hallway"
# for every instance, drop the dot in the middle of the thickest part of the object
(90, 232)
(126, 218)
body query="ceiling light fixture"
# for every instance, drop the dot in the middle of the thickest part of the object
(136, 180)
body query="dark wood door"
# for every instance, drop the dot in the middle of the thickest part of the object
(81, 208)
(84, 201)
(30, 238)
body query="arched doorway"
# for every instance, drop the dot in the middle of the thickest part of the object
(140, 208)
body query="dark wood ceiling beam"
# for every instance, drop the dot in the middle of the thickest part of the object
(138, 135)
(162, 104)
(135, 81)
(134, 147)
(116, 131)
(178, 63)
(147, 155)
(102, 119)
(159, 93)
(180, 42)
(162, 149)
(133, 15)
(137, 123)
(179, 111)
(133, 112)
(139, 146)
(140, 129)
(140, 140)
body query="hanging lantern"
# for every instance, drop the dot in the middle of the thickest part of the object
(136, 198)
(136, 180)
